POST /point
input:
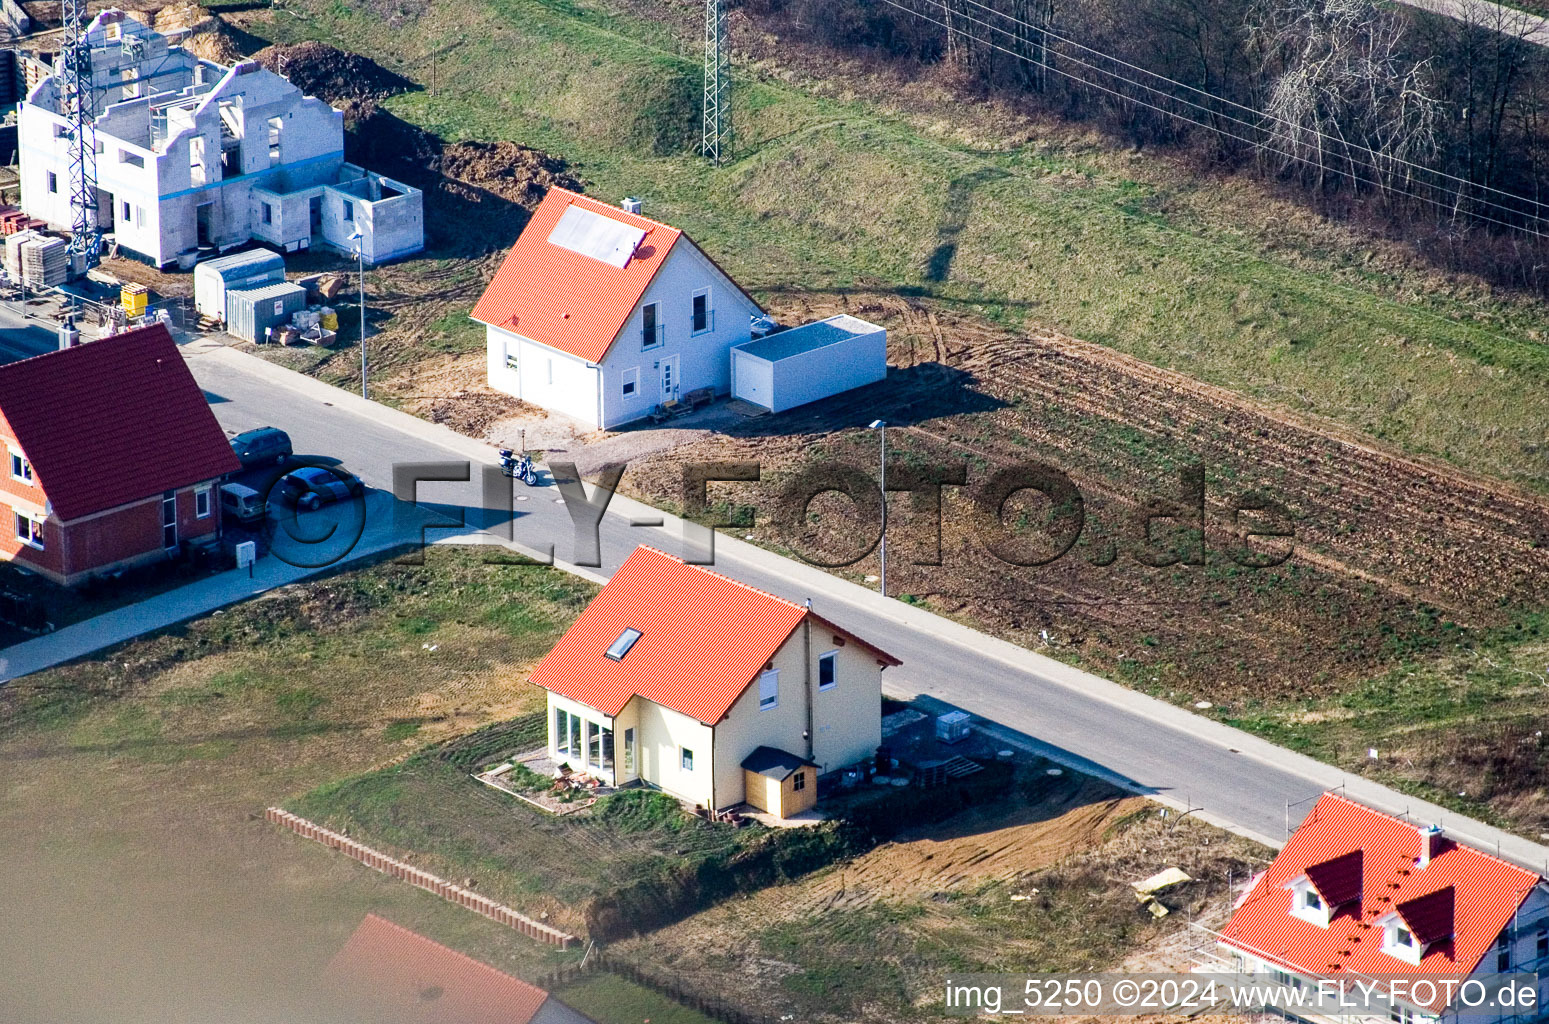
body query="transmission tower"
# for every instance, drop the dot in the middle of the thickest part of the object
(717, 135)
(80, 115)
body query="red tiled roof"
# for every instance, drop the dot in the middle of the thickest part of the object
(1338, 881)
(566, 300)
(404, 978)
(704, 639)
(1430, 917)
(1483, 892)
(113, 421)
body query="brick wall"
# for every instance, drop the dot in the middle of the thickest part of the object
(473, 901)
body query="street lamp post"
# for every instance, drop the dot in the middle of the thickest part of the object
(360, 267)
(880, 426)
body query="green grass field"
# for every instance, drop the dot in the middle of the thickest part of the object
(826, 192)
(609, 999)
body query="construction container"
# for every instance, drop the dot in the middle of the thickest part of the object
(134, 298)
(953, 727)
(242, 270)
(251, 311)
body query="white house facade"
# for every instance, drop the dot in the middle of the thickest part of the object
(602, 315)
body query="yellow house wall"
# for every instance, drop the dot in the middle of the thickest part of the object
(847, 719)
(663, 732)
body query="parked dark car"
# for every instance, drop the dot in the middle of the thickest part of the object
(262, 447)
(312, 487)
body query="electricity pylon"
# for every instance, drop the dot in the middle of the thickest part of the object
(717, 131)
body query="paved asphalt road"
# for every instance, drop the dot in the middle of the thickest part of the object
(1091, 724)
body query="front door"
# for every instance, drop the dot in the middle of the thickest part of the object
(169, 521)
(669, 379)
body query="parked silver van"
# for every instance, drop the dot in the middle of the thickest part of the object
(242, 503)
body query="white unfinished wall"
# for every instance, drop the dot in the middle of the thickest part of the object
(182, 144)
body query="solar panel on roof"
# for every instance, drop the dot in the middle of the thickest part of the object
(591, 234)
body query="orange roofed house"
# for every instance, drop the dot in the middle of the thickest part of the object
(601, 314)
(1357, 893)
(389, 975)
(112, 457)
(688, 681)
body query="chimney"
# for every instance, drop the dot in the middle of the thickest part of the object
(69, 335)
(1430, 839)
(631, 205)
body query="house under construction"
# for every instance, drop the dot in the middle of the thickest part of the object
(193, 156)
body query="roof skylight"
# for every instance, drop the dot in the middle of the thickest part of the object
(621, 646)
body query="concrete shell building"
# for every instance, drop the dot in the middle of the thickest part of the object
(193, 155)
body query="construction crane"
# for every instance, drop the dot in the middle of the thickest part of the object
(717, 132)
(80, 115)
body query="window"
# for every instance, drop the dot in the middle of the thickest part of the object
(630, 382)
(1311, 900)
(629, 751)
(551, 371)
(828, 670)
(268, 214)
(701, 316)
(21, 469)
(128, 213)
(621, 646)
(650, 325)
(169, 520)
(53, 182)
(567, 734)
(349, 212)
(799, 783)
(769, 690)
(202, 502)
(511, 363)
(1543, 943)
(1503, 951)
(686, 758)
(29, 530)
(133, 159)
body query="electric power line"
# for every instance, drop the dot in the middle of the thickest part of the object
(1451, 207)
(1230, 102)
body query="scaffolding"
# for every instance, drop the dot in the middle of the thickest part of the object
(75, 82)
(716, 145)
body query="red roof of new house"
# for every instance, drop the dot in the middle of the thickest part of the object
(1365, 865)
(576, 274)
(110, 422)
(404, 978)
(703, 638)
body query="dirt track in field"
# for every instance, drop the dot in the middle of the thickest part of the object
(1392, 553)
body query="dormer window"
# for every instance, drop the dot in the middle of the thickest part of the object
(1307, 903)
(621, 646)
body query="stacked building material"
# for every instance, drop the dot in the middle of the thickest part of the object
(36, 260)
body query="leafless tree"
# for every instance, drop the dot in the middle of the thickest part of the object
(1344, 104)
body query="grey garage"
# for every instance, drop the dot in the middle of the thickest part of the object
(806, 363)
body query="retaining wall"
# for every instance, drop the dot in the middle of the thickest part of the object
(390, 866)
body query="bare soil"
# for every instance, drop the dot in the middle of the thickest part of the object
(331, 74)
(1392, 554)
(1038, 888)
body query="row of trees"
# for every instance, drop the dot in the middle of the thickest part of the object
(1437, 122)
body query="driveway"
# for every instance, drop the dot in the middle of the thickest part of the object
(1186, 761)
